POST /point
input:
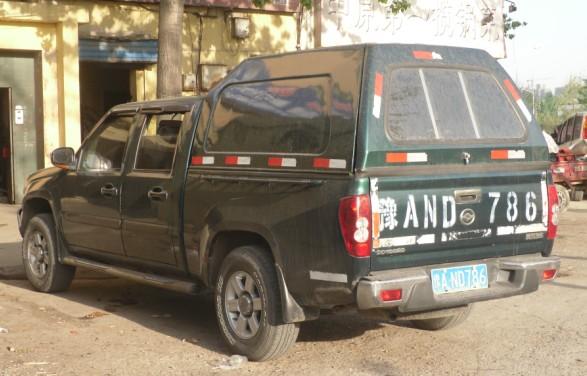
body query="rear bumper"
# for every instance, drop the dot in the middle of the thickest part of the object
(508, 276)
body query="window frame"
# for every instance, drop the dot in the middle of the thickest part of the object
(455, 68)
(218, 97)
(133, 113)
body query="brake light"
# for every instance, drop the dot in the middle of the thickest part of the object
(553, 209)
(354, 217)
(390, 295)
(548, 274)
(585, 127)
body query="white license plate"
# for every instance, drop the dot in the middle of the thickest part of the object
(459, 278)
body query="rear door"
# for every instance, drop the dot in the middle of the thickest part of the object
(150, 198)
(457, 171)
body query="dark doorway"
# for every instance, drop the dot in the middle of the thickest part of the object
(5, 147)
(102, 86)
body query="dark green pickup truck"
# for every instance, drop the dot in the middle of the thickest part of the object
(404, 181)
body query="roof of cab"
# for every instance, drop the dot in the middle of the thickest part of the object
(166, 104)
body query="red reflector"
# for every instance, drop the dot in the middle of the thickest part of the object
(354, 218)
(396, 157)
(499, 154)
(422, 55)
(548, 274)
(512, 89)
(378, 84)
(585, 127)
(321, 163)
(553, 210)
(231, 160)
(390, 295)
(274, 162)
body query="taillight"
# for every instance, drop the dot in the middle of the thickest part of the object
(585, 127)
(548, 274)
(553, 210)
(390, 295)
(354, 217)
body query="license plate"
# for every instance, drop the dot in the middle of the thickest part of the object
(459, 278)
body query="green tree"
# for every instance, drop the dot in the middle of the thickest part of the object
(554, 109)
(583, 94)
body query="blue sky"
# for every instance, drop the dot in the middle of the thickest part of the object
(552, 47)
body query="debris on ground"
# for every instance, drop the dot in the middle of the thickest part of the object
(233, 362)
(93, 315)
(3, 330)
(10, 348)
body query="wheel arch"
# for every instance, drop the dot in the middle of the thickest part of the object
(33, 205)
(225, 241)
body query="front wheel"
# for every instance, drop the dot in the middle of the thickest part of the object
(248, 306)
(40, 258)
(440, 323)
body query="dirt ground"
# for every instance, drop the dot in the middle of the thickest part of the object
(114, 327)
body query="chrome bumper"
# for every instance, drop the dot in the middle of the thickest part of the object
(508, 276)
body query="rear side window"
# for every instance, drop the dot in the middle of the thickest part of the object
(158, 141)
(279, 116)
(427, 104)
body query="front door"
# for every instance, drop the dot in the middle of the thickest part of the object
(150, 199)
(90, 203)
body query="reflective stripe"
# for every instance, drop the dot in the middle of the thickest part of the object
(500, 154)
(406, 157)
(202, 160)
(281, 162)
(232, 160)
(329, 163)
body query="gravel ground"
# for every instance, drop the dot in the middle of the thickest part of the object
(115, 327)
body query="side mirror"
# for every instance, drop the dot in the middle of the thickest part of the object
(63, 158)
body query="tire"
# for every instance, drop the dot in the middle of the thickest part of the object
(441, 323)
(564, 198)
(40, 258)
(248, 306)
(577, 195)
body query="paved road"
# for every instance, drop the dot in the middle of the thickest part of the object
(120, 328)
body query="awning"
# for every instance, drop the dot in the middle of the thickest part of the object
(118, 51)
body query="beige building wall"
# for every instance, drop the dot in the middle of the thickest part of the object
(269, 33)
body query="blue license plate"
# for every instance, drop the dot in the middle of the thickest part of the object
(459, 278)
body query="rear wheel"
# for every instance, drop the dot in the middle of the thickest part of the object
(40, 258)
(564, 197)
(440, 323)
(577, 195)
(248, 306)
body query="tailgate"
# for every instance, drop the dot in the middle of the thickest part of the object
(457, 165)
(432, 219)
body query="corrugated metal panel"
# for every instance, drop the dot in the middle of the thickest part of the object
(118, 51)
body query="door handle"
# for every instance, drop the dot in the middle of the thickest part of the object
(157, 194)
(109, 190)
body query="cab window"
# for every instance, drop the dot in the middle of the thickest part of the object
(105, 149)
(158, 141)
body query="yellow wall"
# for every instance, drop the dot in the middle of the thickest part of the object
(53, 27)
